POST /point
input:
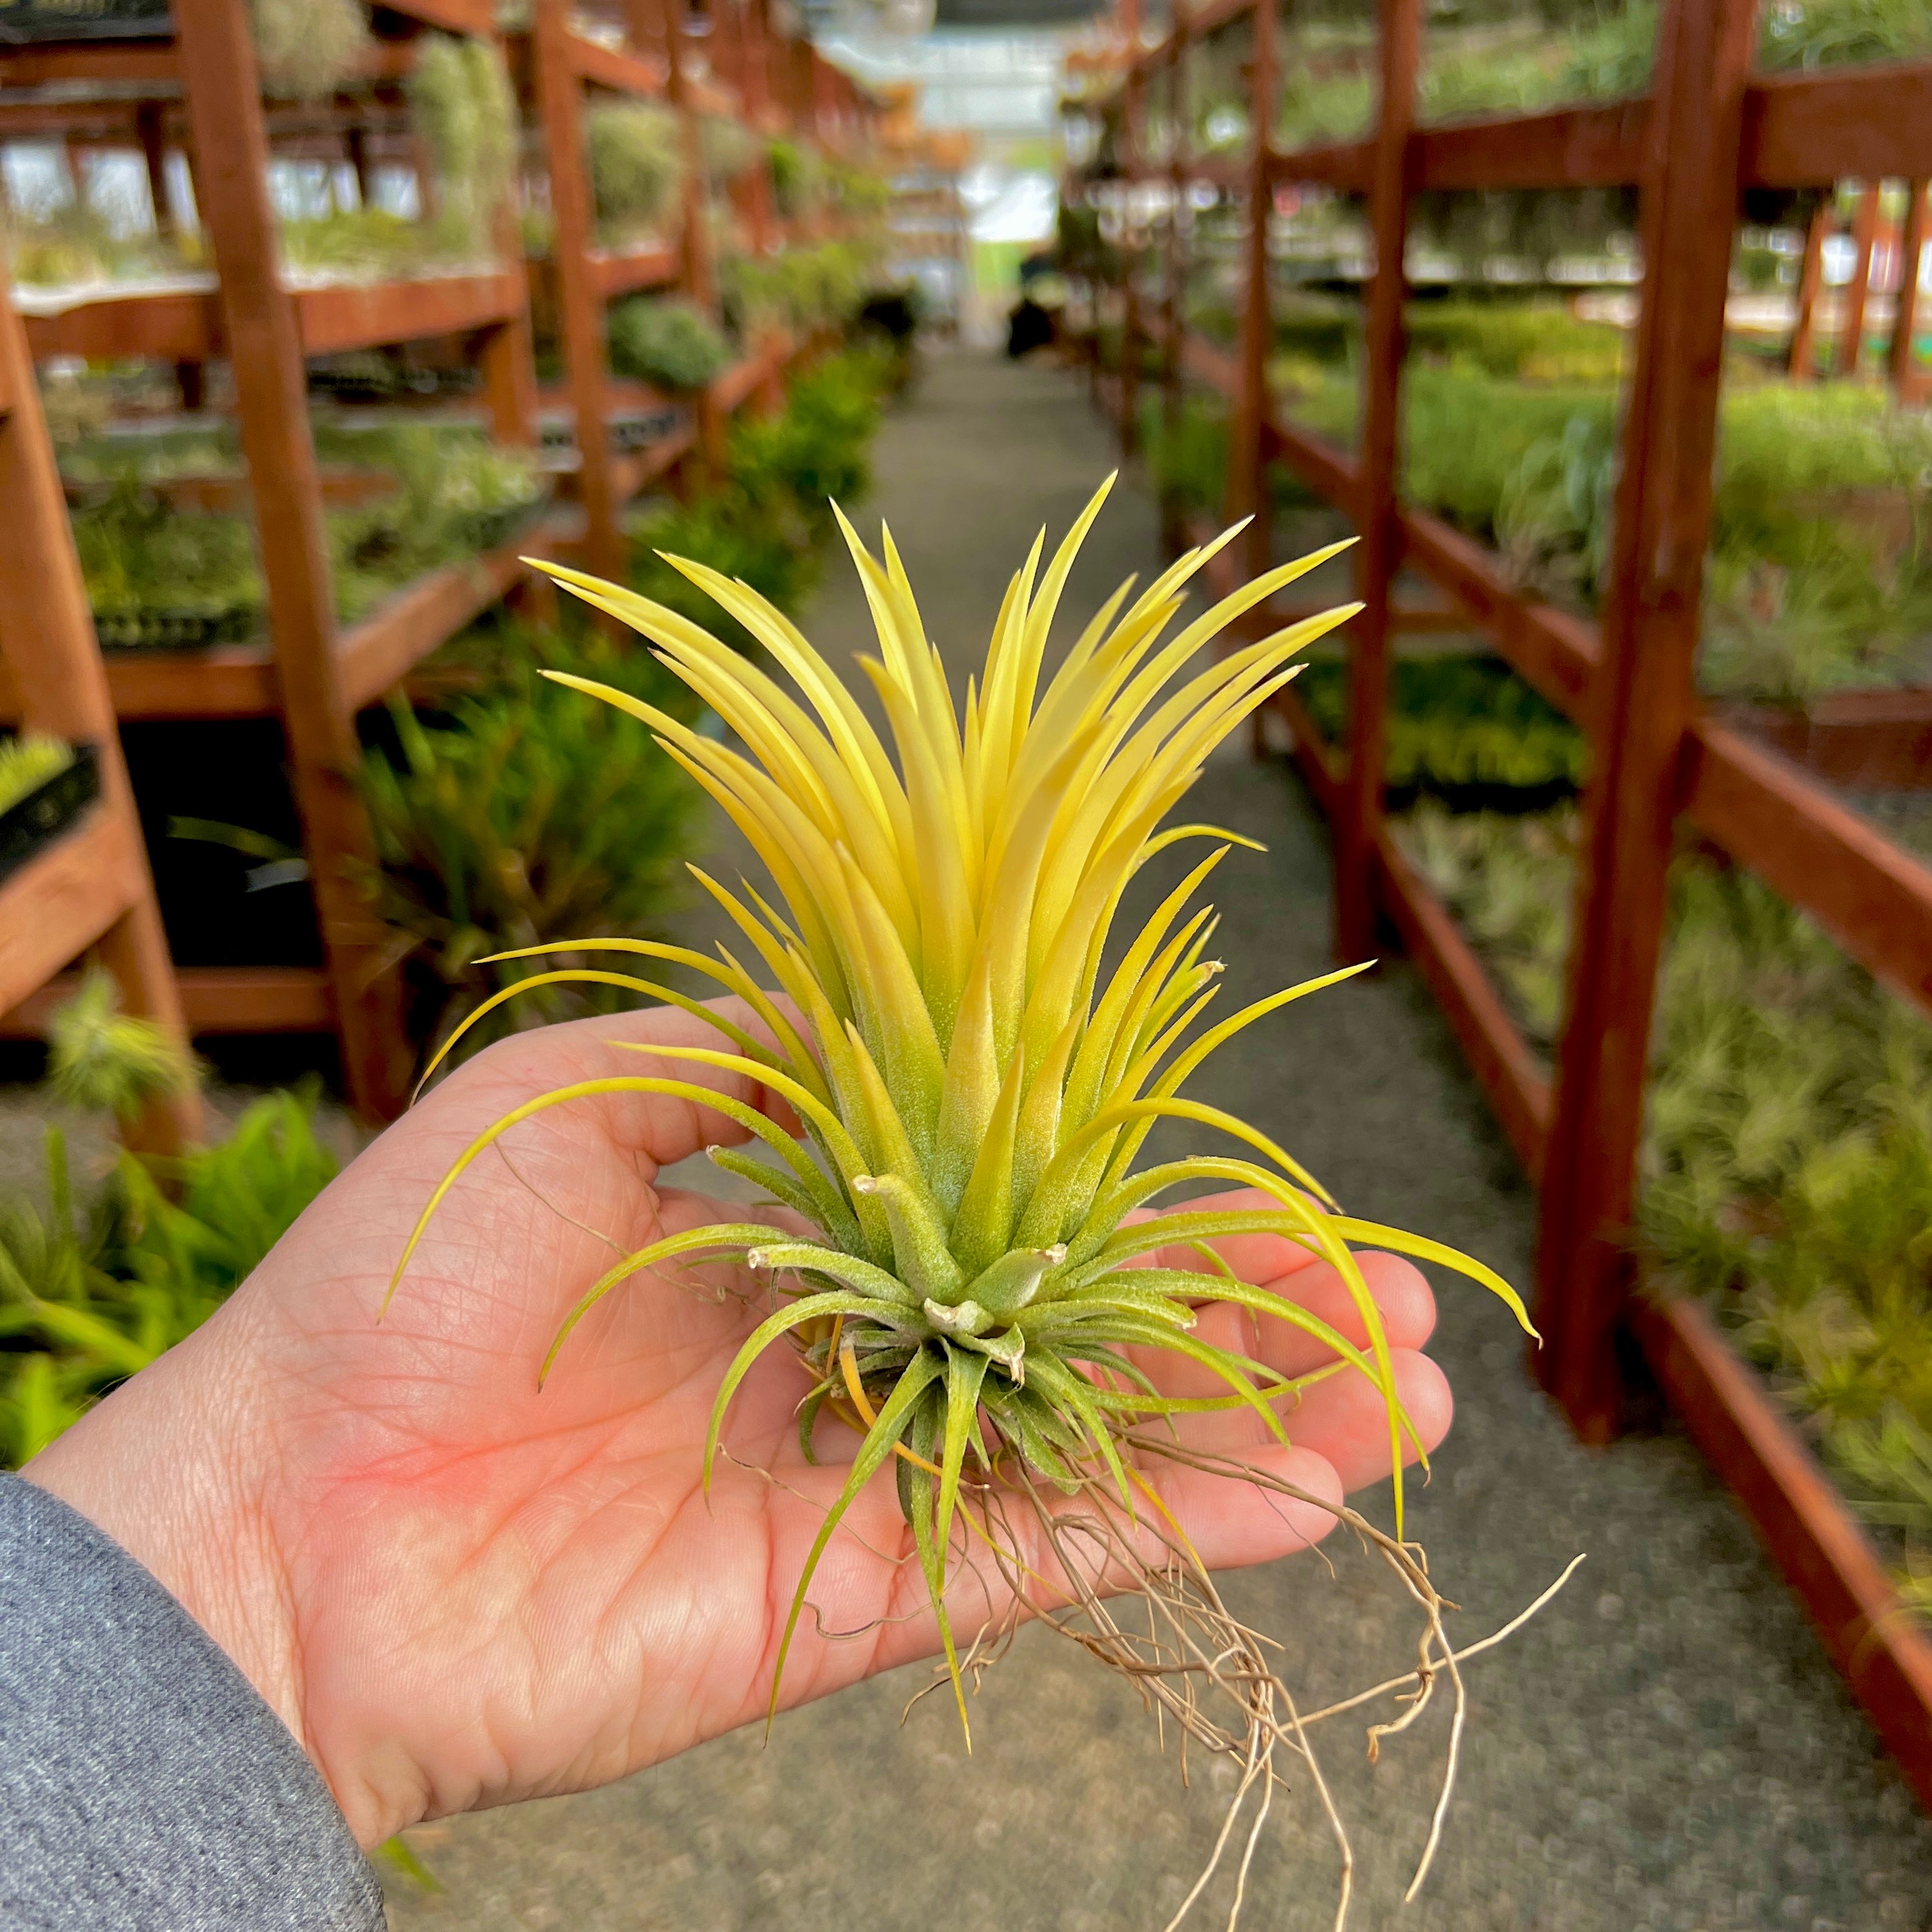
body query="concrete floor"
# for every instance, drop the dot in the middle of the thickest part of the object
(1666, 1750)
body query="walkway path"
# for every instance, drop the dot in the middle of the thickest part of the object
(1666, 1751)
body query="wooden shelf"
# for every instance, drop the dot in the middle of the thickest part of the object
(241, 680)
(1505, 1066)
(622, 272)
(64, 898)
(185, 326)
(1883, 1651)
(1708, 129)
(215, 1001)
(641, 469)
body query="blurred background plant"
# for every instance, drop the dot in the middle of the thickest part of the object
(524, 815)
(666, 339)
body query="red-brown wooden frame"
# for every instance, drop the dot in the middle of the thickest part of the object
(1708, 130)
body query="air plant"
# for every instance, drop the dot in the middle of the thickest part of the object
(967, 1285)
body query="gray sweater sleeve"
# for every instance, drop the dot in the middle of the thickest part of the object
(144, 1786)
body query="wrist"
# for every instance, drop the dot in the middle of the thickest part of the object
(172, 1467)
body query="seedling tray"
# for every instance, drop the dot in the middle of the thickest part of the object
(35, 821)
(177, 630)
(30, 20)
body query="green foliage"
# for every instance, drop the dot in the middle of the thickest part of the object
(821, 286)
(104, 1060)
(367, 242)
(308, 48)
(87, 1301)
(138, 554)
(800, 182)
(816, 451)
(636, 165)
(1466, 434)
(527, 817)
(1535, 341)
(1786, 1171)
(457, 493)
(27, 761)
(860, 194)
(1813, 34)
(766, 523)
(465, 110)
(730, 151)
(1188, 457)
(50, 247)
(1456, 725)
(666, 339)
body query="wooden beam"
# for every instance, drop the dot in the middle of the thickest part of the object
(1877, 739)
(624, 272)
(1551, 650)
(1358, 832)
(1573, 147)
(1506, 1066)
(1874, 897)
(1800, 361)
(560, 102)
(265, 345)
(1851, 348)
(94, 886)
(133, 63)
(1329, 471)
(1642, 701)
(1899, 366)
(615, 70)
(216, 1000)
(1877, 1643)
(1348, 166)
(176, 326)
(64, 899)
(1816, 130)
(373, 315)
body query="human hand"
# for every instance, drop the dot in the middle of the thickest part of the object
(457, 1590)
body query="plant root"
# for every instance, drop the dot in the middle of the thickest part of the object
(1195, 1664)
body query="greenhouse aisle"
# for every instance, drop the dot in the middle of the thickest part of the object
(1665, 1749)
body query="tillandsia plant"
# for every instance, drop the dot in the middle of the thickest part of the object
(963, 1277)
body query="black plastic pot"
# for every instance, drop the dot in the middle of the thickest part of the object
(34, 822)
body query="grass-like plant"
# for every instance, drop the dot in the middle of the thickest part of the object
(666, 339)
(27, 762)
(525, 817)
(464, 106)
(636, 164)
(103, 1060)
(962, 1280)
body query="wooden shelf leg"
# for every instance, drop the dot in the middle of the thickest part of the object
(560, 106)
(1801, 364)
(62, 687)
(1641, 702)
(264, 349)
(1905, 322)
(1378, 552)
(1852, 331)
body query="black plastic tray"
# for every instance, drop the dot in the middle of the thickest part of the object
(35, 20)
(181, 630)
(36, 820)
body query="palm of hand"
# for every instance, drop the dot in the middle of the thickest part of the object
(460, 1590)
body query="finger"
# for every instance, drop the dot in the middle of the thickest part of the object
(1400, 1291)
(1342, 1419)
(1256, 1258)
(662, 1128)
